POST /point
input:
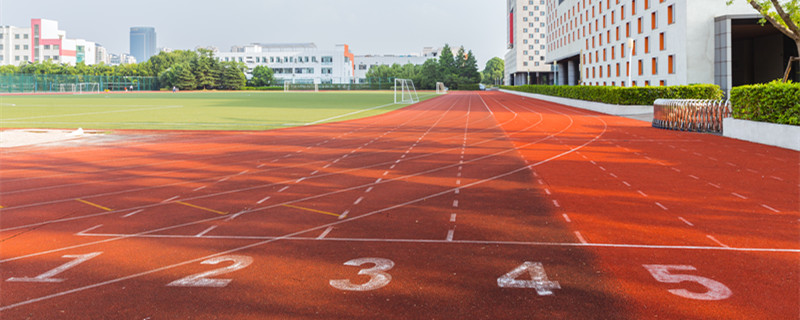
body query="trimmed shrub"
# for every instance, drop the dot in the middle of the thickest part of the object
(624, 95)
(263, 88)
(469, 86)
(775, 102)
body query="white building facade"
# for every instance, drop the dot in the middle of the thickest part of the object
(43, 41)
(527, 43)
(661, 42)
(298, 62)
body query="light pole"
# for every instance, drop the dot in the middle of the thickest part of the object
(631, 43)
(555, 73)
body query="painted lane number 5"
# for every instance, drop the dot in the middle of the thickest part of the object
(378, 277)
(662, 273)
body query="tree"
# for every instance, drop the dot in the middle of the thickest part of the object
(262, 76)
(494, 70)
(469, 71)
(232, 76)
(447, 67)
(205, 69)
(182, 76)
(785, 16)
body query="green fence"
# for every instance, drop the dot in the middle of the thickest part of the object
(39, 83)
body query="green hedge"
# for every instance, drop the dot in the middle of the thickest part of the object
(623, 95)
(774, 102)
(275, 88)
(469, 86)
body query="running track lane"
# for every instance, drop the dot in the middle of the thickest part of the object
(444, 207)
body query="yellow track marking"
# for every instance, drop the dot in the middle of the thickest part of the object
(312, 210)
(94, 205)
(201, 208)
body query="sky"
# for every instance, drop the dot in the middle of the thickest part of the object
(368, 26)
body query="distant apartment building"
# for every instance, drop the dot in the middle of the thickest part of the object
(43, 41)
(118, 59)
(365, 62)
(296, 62)
(527, 43)
(143, 43)
(662, 43)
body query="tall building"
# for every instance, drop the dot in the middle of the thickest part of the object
(143, 43)
(527, 43)
(43, 41)
(661, 42)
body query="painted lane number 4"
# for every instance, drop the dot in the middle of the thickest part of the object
(662, 273)
(538, 281)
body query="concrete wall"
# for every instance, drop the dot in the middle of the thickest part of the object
(779, 135)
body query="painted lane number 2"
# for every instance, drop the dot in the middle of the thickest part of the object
(202, 279)
(662, 273)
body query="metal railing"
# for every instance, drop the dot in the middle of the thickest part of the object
(691, 115)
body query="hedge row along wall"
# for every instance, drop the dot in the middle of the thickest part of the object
(624, 96)
(774, 102)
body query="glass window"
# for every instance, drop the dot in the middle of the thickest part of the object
(327, 60)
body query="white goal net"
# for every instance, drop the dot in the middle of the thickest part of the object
(289, 87)
(440, 88)
(83, 87)
(404, 91)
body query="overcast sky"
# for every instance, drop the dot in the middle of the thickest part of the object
(368, 26)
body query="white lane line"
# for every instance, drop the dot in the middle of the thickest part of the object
(713, 159)
(566, 218)
(132, 213)
(358, 200)
(626, 183)
(170, 199)
(580, 237)
(262, 200)
(283, 189)
(199, 188)
(344, 214)
(613, 175)
(738, 195)
(751, 170)
(694, 177)
(450, 234)
(458, 191)
(314, 172)
(555, 203)
(714, 185)
(730, 164)
(385, 173)
(534, 173)
(379, 180)
(642, 193)
(602, 168)
(452, 217)
(547, 191)
(368, 190)
(776, 178)
(717, 241)
(770, 208)
(205, 231)
(300, 180)
(326, 166)
(540, 181)
(675, 169)
(661, 206)
(455, 203)
(223, 179)
(594, 163)
(243, 172)
(686, 221)
(325, 233)
(274, 160)
(90, 229)
(458, 181)
(392, 167)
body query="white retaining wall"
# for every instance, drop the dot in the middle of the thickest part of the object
(779, 135)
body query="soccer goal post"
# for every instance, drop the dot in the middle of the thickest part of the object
(66, 87)
(440, 88)
(405, 92)
(88, 87)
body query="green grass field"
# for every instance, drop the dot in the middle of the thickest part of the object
(192, 110)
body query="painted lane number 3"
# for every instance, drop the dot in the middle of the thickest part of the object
(378, 277)
(663, 273)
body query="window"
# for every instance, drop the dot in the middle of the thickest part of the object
(628, 30)
(25, 36)
(653, 20)
(16, 36)
(655, 66)
(646, 4)
(55, 47)
(16, 47)
(47, 47)
(639, 21)
(671, 65)
(671, 14)
(327, 60)
(362, 67)
(641, 67)
(633, 7)
(326, 70)
(661, 42)
(646, 44)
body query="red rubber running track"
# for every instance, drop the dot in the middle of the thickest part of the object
(469, 205)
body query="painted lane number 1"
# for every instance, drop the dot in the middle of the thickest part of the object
(662, 273)
(48, 276)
